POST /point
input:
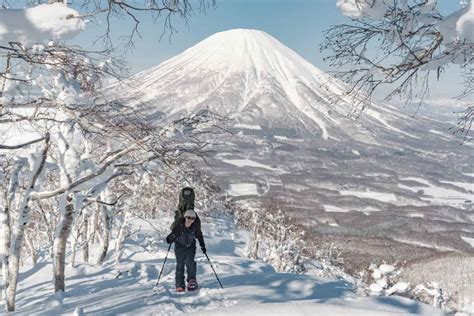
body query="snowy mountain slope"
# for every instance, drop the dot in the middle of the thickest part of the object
(252, 77)
(251, 287)
(381, 187)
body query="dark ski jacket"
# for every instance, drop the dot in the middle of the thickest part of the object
(186, 237)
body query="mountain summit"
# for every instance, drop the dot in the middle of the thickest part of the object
(251, 51)
(252, 77)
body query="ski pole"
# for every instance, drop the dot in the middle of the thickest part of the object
(166, 257)
(214, 271)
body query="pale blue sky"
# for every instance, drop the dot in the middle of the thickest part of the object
(296, 23)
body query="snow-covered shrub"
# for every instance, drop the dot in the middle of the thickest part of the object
(281, 243)
(273, 238)
(284, 243)
(329, 261)
(431, 293)
(386, 279)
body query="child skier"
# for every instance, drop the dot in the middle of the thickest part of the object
(184, 235)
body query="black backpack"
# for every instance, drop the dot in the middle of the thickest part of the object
(185, 202)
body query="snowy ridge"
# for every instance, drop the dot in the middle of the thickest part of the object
(251, 287)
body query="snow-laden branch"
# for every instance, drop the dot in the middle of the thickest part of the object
(22, 145)
(92, 178)
(401, 45)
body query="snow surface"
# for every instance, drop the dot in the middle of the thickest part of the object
(251, 287)
(238, 189)
(247, 126)
(40, 23)
(469, 240)
(439, 194)
(247, 163)
(464, 185)
(385, 197)
(332, 208)
(418, 243)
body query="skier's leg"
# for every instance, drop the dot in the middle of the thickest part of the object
(191, 263)
(180, 262)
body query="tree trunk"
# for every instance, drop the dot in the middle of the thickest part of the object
(4, 247)
(76, 232)
(62, 234)
(73, 253)
(13, 268)
(85, 240)
(15, 254)
(122, 235)
(49, 229)
(5, 223)
(19, 229)
(94, 225)
(31, 247)
(106, 220)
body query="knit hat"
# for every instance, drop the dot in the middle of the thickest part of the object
(190, 213)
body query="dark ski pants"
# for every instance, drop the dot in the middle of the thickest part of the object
(185, 257)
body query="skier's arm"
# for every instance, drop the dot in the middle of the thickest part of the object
(200, 238)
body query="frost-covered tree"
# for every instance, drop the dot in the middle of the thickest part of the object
(25, 180)
(64, 145)
(402, 45)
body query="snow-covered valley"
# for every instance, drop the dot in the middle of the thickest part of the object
(385, 187)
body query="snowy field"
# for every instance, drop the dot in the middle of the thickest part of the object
(240, 189)
(247, 163)
(251, 287)
(439, 194)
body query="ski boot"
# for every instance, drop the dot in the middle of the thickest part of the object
(192, 285)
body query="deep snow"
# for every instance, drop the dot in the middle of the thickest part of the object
(251, 287)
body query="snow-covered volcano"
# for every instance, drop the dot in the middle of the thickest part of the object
(252, 77)
(385, 179)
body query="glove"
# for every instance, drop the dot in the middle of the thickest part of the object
(170, 238)
(203, 248)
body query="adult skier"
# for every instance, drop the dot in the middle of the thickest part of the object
(184, 235)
